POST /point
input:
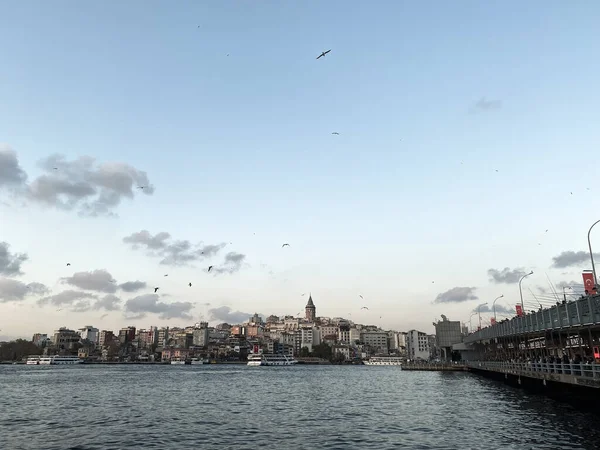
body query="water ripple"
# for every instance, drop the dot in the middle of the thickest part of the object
(162, 407)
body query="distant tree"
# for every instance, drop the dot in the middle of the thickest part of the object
(304, 353)
(338, 358)
(19, 349)
(322, 351)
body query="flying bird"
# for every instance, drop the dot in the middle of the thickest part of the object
(364, 307)
(210, 267)
(68, 264)
(166, 275)
(303, 295)
(103, 316)
(336, 133)
(285, 245)
(59, 309)
(496, 170)
(141, 187)
(361, 297)
(190, 284)
(55, 168)
(156, 289)
(546, 231)
(323, 54)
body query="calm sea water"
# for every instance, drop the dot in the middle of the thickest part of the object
(303, 407)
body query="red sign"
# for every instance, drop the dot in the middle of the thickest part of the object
(588, 283)
(493, 321)
(519, 309)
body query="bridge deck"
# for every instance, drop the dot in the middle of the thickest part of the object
(579, 374)
(578, 314)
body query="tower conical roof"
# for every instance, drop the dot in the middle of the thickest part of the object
(310, 302)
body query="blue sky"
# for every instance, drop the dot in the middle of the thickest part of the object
(225, 108)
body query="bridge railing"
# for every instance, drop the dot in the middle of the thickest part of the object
(584, 370)
(582, 312)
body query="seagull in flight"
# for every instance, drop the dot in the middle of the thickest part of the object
(55, 168)
(285, 245)
(190, 284)
(336, 133)
(103, 316)
(59, 309)
(361, 297)
(166, 274)
(323, 54)
(210, 267)
(364, 307)
(156, 289)
(68, 264)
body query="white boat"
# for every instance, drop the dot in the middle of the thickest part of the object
(33, 361)
(58, 360)
(262, 359)
(196, 361)
(178, 361)
(383, 361)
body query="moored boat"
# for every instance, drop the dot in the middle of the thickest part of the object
(383, 361)
(264, 359)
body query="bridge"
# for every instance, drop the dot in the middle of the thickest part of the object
(568, 328)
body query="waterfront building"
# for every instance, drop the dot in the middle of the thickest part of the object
(255, 320)
(303, 337)
(254, 331)
(447, 333)
(65, 339)
(89, 333)
(310, 310)
(344, 350)
(105, 338)
(163, 336)
(39, 339)
(200, 337)
(377, 340)
(328, 330)
(126, 335)
(417, 345)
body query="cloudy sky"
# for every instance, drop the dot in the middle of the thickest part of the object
(466, 131)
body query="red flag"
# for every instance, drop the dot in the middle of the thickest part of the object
(588, 282)
(493, 321)
(519, 309)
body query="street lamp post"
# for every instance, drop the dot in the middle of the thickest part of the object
(494, 305)
(591, 254)
(470, 321)
(521, 290)
(479, 313)
(564, 294)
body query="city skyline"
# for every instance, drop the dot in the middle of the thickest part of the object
(450, 178)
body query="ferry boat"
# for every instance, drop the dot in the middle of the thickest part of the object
(383, 361)
(57, 360)
(33, 361)
(178, 361)
(196, 361)
(262, 359)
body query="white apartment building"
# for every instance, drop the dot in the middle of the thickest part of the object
(303, 338)
(90, 333)
(417, 345)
